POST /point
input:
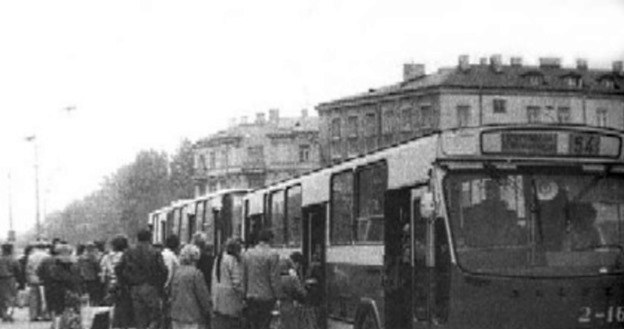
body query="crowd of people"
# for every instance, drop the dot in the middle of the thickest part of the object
(151, 286)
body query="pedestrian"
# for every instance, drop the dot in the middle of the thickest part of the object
(293, 296)
(169, 253)
(63, 289)
(89, 268)
(190, 298)
(227, 287)
(44, 273)
(142, 267)
(261, 281)
(35, 297)
(170, 257)
(23, 260)
(9, 274)
(206, 259)
(117, 290)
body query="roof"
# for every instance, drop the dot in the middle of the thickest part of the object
(484, 77)
(284, 126)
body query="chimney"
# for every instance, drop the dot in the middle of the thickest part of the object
(304, 113)
(516, 61)
(260, 118)
(274, 116)
(550, 62)
(581, 64)
(496, 61)
(464, 63)
(618, 67)
(483, 61)
(412, 71)
(243, 120)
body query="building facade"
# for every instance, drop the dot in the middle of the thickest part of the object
(485, 93)
(251, 155)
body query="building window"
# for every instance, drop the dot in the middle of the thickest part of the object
(255, 155)
(533, 114)
(388, 127)
(426, 116)
(335, 128)
(341, 229)
(608, 83)
(370, 131)
(304, 153)
(535, 79)
(352, 126)
(352, 134)
(406, 119)
(563, 114)
(463, 116)
(213, 160)
(602, 115)
(573, 82)
(500, 105)
(201, 165)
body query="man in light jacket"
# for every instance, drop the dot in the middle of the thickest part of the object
(261, 281)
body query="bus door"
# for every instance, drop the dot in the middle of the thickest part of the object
(397, 277)
(421, 273)
(314, 253)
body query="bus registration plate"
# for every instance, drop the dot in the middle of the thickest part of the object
(584, 144)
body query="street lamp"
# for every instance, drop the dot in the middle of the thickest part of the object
(33, 139)
(11, 235)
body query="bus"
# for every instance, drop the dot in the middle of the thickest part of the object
(505, 226)
(159, 225)
(217, 214)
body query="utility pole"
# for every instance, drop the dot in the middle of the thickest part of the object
(11, 235)
(33, 139)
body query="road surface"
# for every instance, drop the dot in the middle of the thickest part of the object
(20, 317)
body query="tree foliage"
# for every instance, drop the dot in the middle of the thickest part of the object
(125, 198)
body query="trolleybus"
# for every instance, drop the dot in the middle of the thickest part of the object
(489, 227)
(217, 214)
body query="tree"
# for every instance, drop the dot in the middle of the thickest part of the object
(181, 178)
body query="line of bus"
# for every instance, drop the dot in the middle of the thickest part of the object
(504, 226)
(218, 215)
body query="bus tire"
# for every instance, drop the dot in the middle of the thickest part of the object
(367, 315)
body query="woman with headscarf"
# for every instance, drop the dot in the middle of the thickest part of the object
(190, 298)
(293, 294)
(227, 287)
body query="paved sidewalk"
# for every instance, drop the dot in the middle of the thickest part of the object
(20, 315)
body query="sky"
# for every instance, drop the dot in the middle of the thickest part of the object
(144, 74)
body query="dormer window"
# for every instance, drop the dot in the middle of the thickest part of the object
(536, 80)
(573, 81)
(607, 83)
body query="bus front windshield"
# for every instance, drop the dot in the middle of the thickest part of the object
(537, 224)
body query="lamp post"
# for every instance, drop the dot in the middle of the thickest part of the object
(11, 235)
(33, 139)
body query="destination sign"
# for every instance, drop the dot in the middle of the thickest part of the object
(550, 143)
(529, 143)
